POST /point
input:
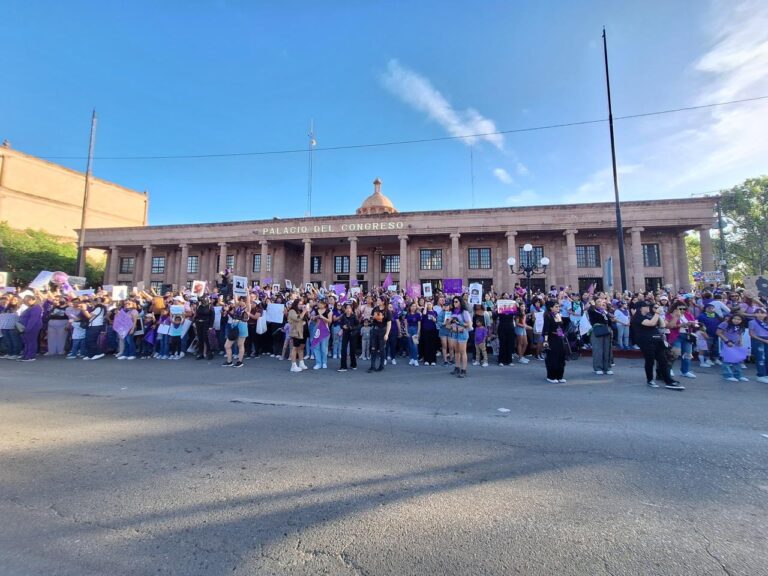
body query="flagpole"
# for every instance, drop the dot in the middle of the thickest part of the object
(619, 226)
(88, 170)
(311, 145)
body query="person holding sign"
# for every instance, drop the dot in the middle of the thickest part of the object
(459, 323)
(237, 332)
(297, 318)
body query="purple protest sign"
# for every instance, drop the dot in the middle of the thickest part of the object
(267, 281)
(122, 323)
(452, 285)
(353, 282)
(734, 354)
(321, 332)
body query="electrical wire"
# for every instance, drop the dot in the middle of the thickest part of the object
(412, 141)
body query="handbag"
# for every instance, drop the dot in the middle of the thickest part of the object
(261, 324)
(601, 330)
(20, 327)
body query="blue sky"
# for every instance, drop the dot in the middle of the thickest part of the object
(193, 77)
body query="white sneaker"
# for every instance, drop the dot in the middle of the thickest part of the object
(181, 355)
(671, 372)
(599, 372)
(732, 379)
(743, 379)
(415, 362)
(98, 356)
(524, 360)
(688, 374)
(609, 372)
(317, 367)
(763, 379)
(562, 380)
(705, 365)
(295, 367)
(551, 381)
(385, 361)
(718, 362)
(484, 364)
(121, 357)
(394, 362)
(302, 365)
(475, 363)
(130, 357)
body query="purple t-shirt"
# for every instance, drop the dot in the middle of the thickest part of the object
(413, 319)
(759, 328)
(480, 334)
(731, 333)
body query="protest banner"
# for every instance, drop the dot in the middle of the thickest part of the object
(392, 288)
(41, 280)
(354, 291)
(177, 309)
(89, 292)
(506, 306)
(239, 285)
(119, 292)
(452, 285)
(475, 294)
(78, 281)
(275, 313)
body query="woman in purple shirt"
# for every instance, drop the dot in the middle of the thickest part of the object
(413, 322)
(32, 320)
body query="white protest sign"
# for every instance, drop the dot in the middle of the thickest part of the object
(275, 313)
(392, 288)
(177, 309)
(88, 292)
(3, 278)
(77, 281)
(308, 287)
(288, 284)
(198, 287)
(239, 285)
(119, 292)
(355, 290)
(426, 289)
(41, 280)
(475, 294)
(275, 288)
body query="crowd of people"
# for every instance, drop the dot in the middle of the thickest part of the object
(719, 327)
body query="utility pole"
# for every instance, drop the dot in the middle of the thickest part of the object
(88, 170)
(312, 144)
(619, 226)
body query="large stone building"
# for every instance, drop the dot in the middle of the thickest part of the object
(417, 246)
(38, 194)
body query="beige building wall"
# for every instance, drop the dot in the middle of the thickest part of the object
(38, 194)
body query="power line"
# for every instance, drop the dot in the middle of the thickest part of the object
(412, 141)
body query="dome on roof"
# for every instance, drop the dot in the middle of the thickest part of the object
(377, 203)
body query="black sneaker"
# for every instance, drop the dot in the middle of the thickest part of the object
(456, 371)
(674, 385)
(371, 370)
(227, 363)
(652, 384)
(238, 364)
(462, 374)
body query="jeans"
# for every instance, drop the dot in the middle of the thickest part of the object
(337, 337)
(321, 352)
(731, 370)
(165, 342)
(378, 345)
(760, 352)
(412, 346)
(129, 348)
(13, 339)
(686, 349)
(623, 336)
(78, 346)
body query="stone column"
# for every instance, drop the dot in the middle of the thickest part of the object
(375, 267)
(146, 273)
(353, 259)
(181, 278)
(683, 272)
(571, 265)
(707, 258)
(667, 263)
(222, 256)
(638, 266)
(241, 261)
(509, 285)
(306, 275)
(114, 265)
(455, 255)
(403, 260)
(264, 257)
(171, 260)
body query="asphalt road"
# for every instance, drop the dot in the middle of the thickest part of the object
(162, 467)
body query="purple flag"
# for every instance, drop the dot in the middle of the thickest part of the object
(321, 332)
(387, 281)
(414, 291)
(353, 282)
(452, 285)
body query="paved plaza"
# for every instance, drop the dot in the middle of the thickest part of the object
(188, 468)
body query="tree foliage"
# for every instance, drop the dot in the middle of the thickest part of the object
(745, 207)
(27, 252)
(693, 252)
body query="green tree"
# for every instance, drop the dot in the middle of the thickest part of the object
(745, 208)
(693, 252)
(27, 252)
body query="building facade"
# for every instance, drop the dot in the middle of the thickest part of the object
(377, 240)
(41, 195)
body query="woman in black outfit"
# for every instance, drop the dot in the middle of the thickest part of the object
(648, 336)
(506, 334)
(554, 343)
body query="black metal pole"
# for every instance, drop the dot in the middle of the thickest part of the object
(619, 227)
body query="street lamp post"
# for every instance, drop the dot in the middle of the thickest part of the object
(528, 268)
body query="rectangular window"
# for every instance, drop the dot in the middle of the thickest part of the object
(230, 262)
(256, 263)
(588, 256)
(316, 265)
(341, 264)
(535, 256)
(269, 262)
(653, 283)
(193, 264)
(651, 255)
(362, 264)
(158, 265)
(431, 259)
(127, 265)
(390, 263)
(479, 258)
(158, 286)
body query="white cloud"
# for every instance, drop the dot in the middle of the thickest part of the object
(522, 169)
(417, 91)
(503, 176)
(599, 186)
(526, 198)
